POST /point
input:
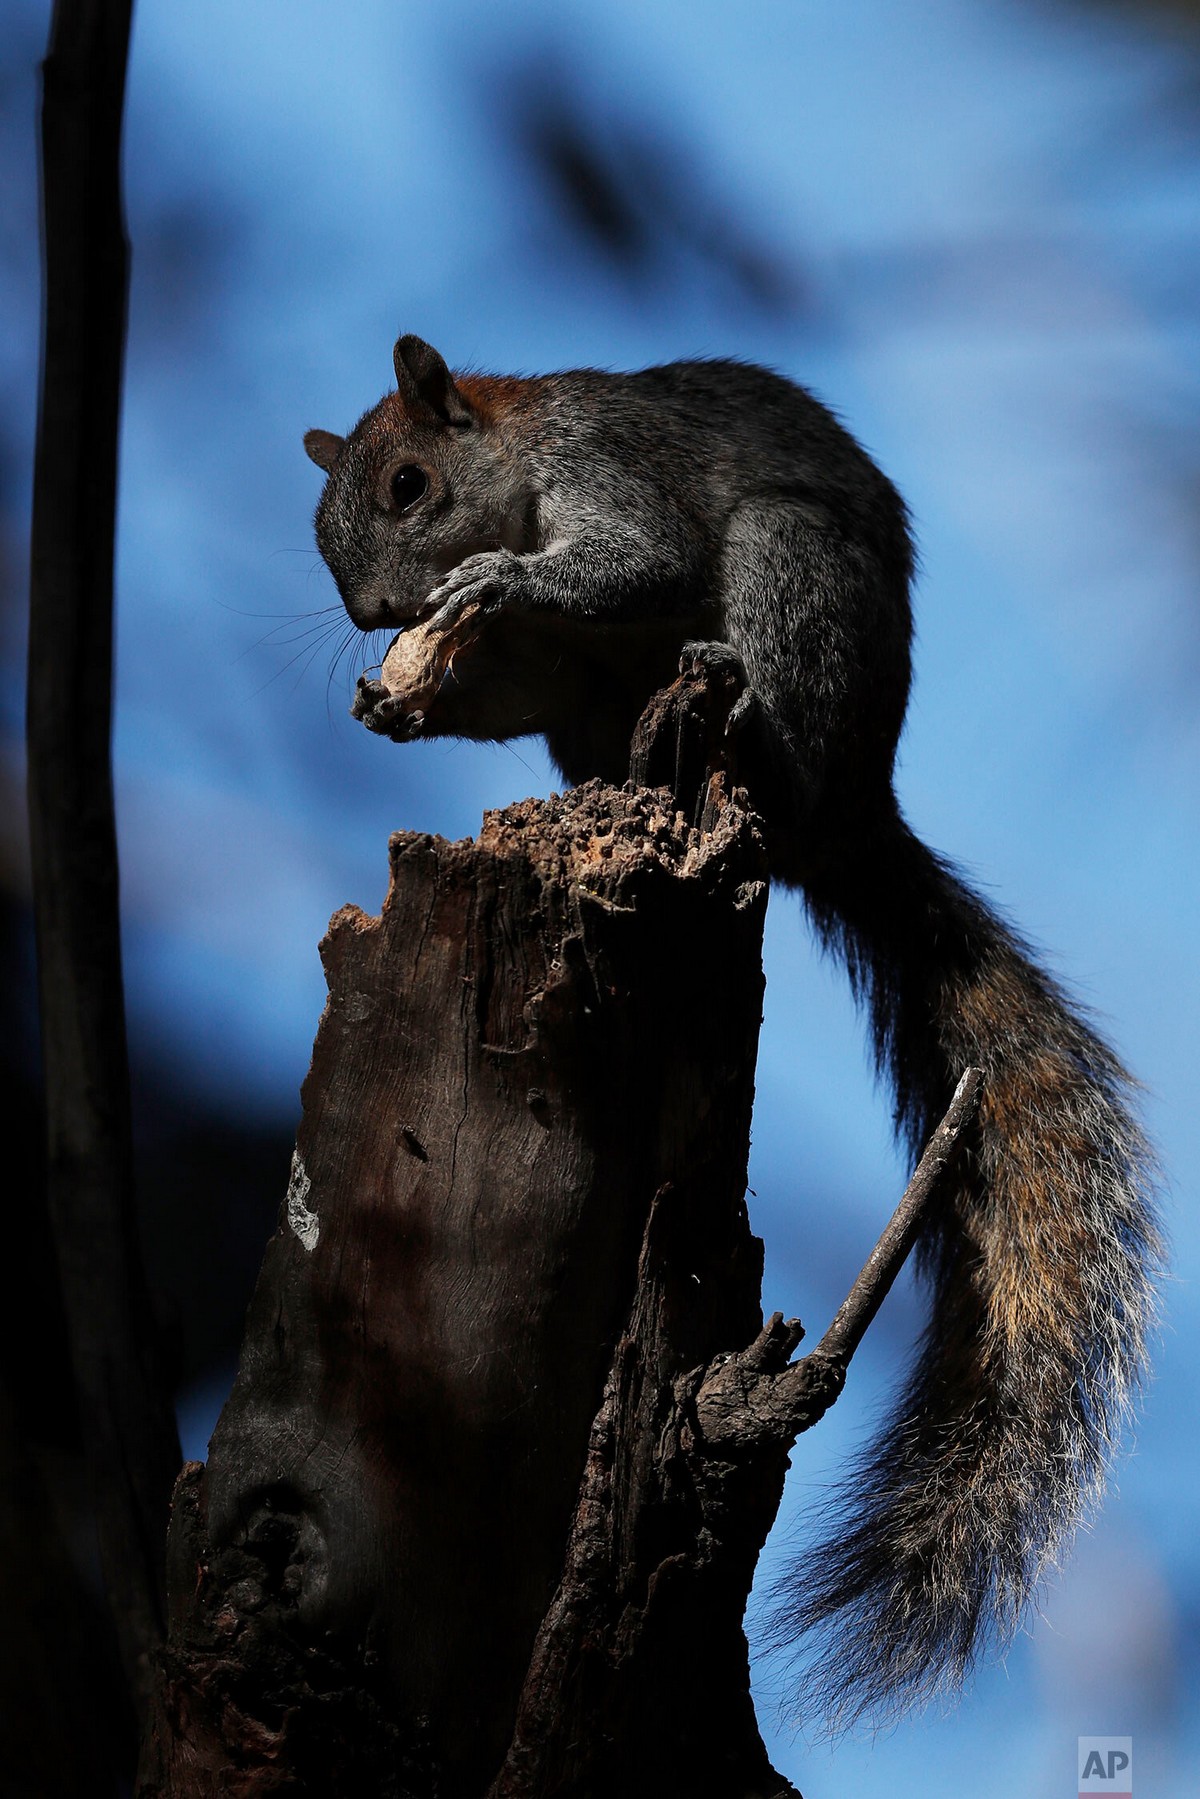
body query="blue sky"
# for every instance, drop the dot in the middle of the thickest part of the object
(986, 222)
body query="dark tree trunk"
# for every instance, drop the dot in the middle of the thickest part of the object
(124, 1404)
(483, 1510)
(534, 1045)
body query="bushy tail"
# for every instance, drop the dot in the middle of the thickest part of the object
(1041, 1262)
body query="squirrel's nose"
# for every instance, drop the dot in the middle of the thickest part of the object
(374, 608)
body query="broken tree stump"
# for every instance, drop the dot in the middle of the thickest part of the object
(544, 1029)
(482, 1512)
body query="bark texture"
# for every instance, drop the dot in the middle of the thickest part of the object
(481, 1516)
(532, 1079)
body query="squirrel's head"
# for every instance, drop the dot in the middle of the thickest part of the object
(422, 482)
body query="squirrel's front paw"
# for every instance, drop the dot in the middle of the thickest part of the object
(489, 580)
(385, 712)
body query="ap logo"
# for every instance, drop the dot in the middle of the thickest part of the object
(1106, 1766)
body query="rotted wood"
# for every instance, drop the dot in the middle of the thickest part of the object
(532, 1041)
(483, 1510)
(639, 1677)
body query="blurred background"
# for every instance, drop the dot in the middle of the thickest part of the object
(972, 228)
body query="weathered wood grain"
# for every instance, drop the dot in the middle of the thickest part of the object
(544, 1029)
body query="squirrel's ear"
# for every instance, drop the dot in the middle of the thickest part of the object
(422, 375)
(322, 447)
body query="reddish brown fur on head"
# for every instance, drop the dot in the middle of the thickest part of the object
(491, 397)
(426, 394)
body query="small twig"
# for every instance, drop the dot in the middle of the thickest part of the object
(757, 1398)
(887, 1258)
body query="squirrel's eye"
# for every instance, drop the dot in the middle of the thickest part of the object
(408, 484)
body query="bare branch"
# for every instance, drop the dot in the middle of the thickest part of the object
(887, 1258)
(758, 1399)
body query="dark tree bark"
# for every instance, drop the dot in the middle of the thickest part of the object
(532, 1041)
(483, 1510)
(124, 1406)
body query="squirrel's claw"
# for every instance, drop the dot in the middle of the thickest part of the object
(487, 580)
(722, 661)
(703, 657)
(368, 695)
(383, 712)
(744, 708)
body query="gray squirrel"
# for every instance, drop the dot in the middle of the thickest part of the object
(611, 524)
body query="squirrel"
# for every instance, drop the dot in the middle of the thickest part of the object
(610, 524)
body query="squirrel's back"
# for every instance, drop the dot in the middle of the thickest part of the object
(714, 430)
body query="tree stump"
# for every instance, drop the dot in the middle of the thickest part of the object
(546, 1038)
(482, 1512)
